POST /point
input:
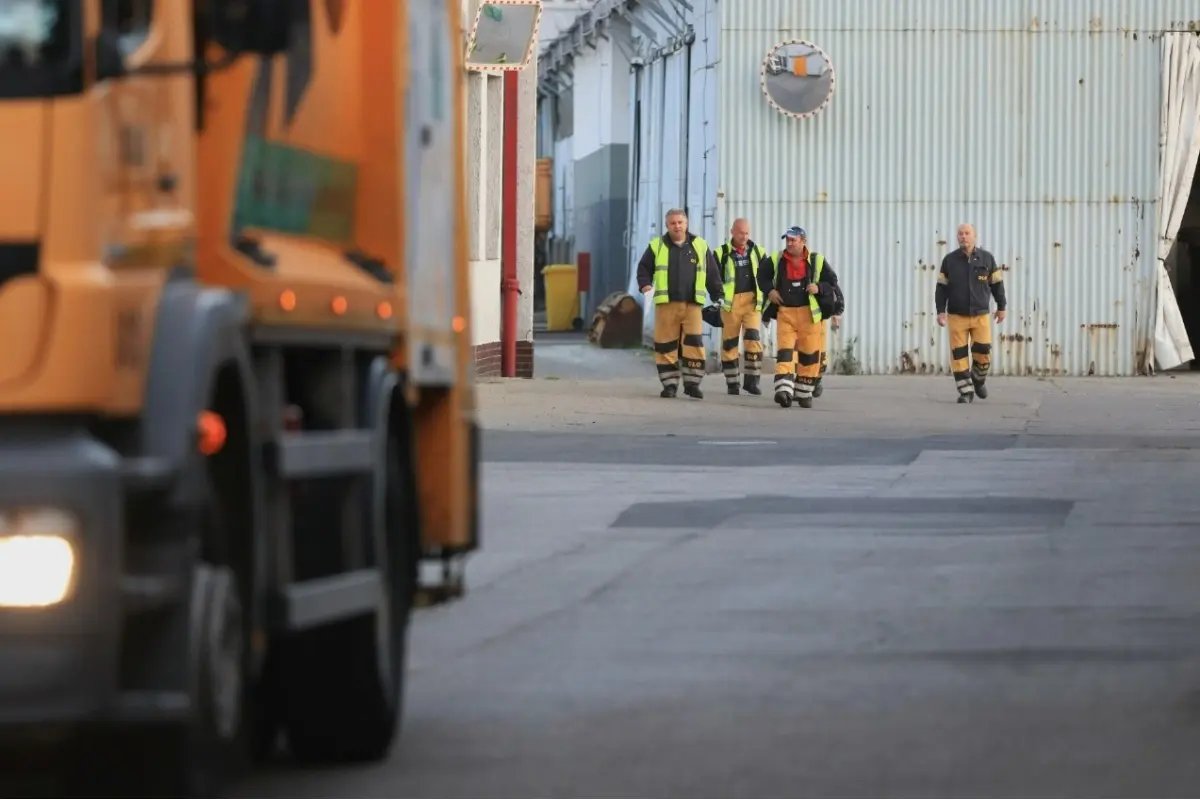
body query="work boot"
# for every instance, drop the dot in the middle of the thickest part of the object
(804, 402)
(818, 389)
(750, 384)
(692, 390)
(969, 397)
(669, 391)
(784, 399)
(980, 389)
(732, 388)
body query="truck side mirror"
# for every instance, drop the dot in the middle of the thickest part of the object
(262, 27)
(503, 36)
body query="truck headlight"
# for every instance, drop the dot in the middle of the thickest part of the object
(37, 557)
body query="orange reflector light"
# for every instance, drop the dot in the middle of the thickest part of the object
(339, 305)
(287, 300)
(384, 310)
(210, 433)
(460, 324)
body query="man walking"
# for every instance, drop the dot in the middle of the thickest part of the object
(968, 282)
(741, 307)
(793, 279)
(678, 269)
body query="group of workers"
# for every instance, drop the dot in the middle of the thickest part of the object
(798, 289)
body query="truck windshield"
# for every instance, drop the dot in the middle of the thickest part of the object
(40, 48)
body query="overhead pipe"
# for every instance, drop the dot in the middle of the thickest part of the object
(510, 284)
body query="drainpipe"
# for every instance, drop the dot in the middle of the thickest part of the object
(510, 285)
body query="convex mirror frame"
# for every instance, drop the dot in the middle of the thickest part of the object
(503, 35)
(798, 78)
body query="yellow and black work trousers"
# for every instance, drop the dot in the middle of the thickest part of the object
(675, 324)
(798, 362)
(744, 322)
(970, 350)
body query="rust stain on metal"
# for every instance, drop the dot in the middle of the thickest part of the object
(908, 364)
(1056, 366)
(1099, 326)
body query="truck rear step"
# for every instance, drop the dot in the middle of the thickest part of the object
(321, 454)
(319, 601)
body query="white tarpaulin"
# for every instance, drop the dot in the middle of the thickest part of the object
(1178, 146)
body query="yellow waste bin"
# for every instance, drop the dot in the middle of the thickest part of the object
(562, 296)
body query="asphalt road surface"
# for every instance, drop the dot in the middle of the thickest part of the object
(784, 613)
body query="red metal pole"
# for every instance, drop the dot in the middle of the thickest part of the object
(510, 286)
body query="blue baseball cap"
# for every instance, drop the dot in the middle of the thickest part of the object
(793, 231)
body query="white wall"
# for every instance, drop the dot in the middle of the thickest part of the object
(484, 148)
(484, 131)
(600, 109)
(587, 86)
(526, 189)
(601, 98)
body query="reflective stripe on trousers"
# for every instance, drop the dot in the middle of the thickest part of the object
(970, 349)
(743, 322)
(798, 362)
(677, 324)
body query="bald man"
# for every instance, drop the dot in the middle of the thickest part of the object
(741, 307)
(967, 283)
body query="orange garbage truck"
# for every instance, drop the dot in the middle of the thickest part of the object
(236, 404)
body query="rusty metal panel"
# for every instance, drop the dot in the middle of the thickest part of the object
(1036, 120)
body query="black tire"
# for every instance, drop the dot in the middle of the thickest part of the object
(196, 757)
(344, 682)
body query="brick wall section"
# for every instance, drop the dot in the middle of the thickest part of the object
(524, 359)
(487, 360)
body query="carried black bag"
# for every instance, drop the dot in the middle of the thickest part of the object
(832, 303)
(712, 315)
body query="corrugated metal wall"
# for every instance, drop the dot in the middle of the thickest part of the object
(1035, 120)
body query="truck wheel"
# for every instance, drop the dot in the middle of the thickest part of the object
(345, 681)
(198, 758)
(192, 758)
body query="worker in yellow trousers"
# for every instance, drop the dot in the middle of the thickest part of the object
(678, 269)
(794, 280)
(742, 301)
(967, 283)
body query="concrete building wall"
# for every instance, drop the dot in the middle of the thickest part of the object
(585, 84)
(526, 179)
(484, 132)
(600, 161)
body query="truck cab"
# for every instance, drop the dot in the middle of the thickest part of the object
(236, 403)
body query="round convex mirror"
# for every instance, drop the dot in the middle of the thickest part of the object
(797, 78)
